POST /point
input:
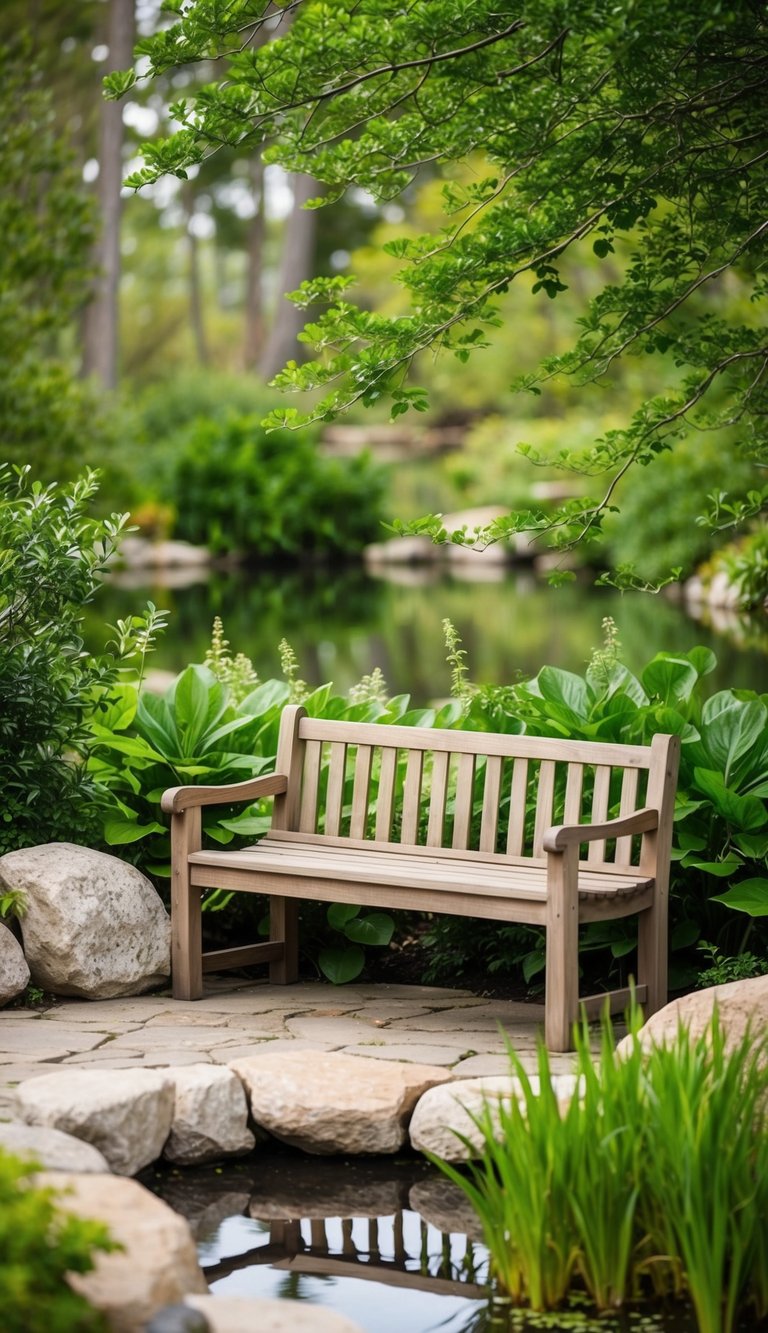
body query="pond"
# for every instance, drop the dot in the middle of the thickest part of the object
(389, 1243)
(342, 621)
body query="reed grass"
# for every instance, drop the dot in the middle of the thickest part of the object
(652, 1178)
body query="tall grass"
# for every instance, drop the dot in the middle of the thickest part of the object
(653, 1177)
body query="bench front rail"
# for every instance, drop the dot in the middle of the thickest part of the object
(525, 829)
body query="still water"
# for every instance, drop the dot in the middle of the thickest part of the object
(342, 622)
(389, 1243)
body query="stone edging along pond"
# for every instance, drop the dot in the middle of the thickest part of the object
(86, 1125)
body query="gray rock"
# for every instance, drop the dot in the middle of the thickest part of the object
(94, 925)
(444, 1114)
(125, 1113)
(210, 1118)
(741, 1006)
(157, 1265)
(51, 1148)
(330, 1103)
(14, 970)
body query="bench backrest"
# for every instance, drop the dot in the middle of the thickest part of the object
(465, 791)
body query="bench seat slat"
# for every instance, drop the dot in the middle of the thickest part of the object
(433, 872)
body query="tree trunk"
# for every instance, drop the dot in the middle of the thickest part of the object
(196, 316)
(295, 267)
(254, 293)
(100, 324)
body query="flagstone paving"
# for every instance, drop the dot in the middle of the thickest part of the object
(422, 1024)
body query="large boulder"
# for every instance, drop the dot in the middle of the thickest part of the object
(14, 971)
(444, 1120)
(741, 1006)
(51, 1148)
(94, 926)
(157, 1265)
(125, 1113)
(324, 1102)
(210, 1118)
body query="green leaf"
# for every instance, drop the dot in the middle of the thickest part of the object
(115, 85)
(702, 659)
(671, 679)
(339, 914)
(271, 694)
(720, 869)
(730, 727)
(117, 832)
(120, 708)
(377, 928)
(198, 697)
(418, 717)
(248, 826)
(563, 687)
(155, 721)
(341, 964)
(746, 813)
(750, 896)
(533, 963)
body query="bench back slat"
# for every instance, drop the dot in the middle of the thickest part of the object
(361, 787)
(627, 805)
(335, 794)
(437, 799)
(489, 824)
(545, 799)
(385, 802)
(600, 799)
(464, 800)
(414, 771)
(517, 800)
(309, 786)
(472, 792)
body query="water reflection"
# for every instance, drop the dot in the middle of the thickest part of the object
(389, 1243)
(342, 622)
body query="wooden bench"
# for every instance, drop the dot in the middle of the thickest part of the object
(388, 821)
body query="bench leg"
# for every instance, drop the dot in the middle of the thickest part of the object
(186, 923)
(284, 928)
(652, 950)
(562, 974)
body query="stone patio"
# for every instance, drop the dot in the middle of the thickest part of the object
(424, 1024)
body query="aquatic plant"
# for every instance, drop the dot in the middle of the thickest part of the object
(655, 1174)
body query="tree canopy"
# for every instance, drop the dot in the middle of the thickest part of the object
(633, 129)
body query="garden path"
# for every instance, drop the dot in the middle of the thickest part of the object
(424, 1024)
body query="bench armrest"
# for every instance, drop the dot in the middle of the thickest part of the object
(177, 799)
(564, 835)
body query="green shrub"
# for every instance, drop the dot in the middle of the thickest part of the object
(655, 1175)
(39, 1246)
(747, 567)
(237, 488)
(657, 528)
(216, 725)
(51, 559)
(720, 849)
